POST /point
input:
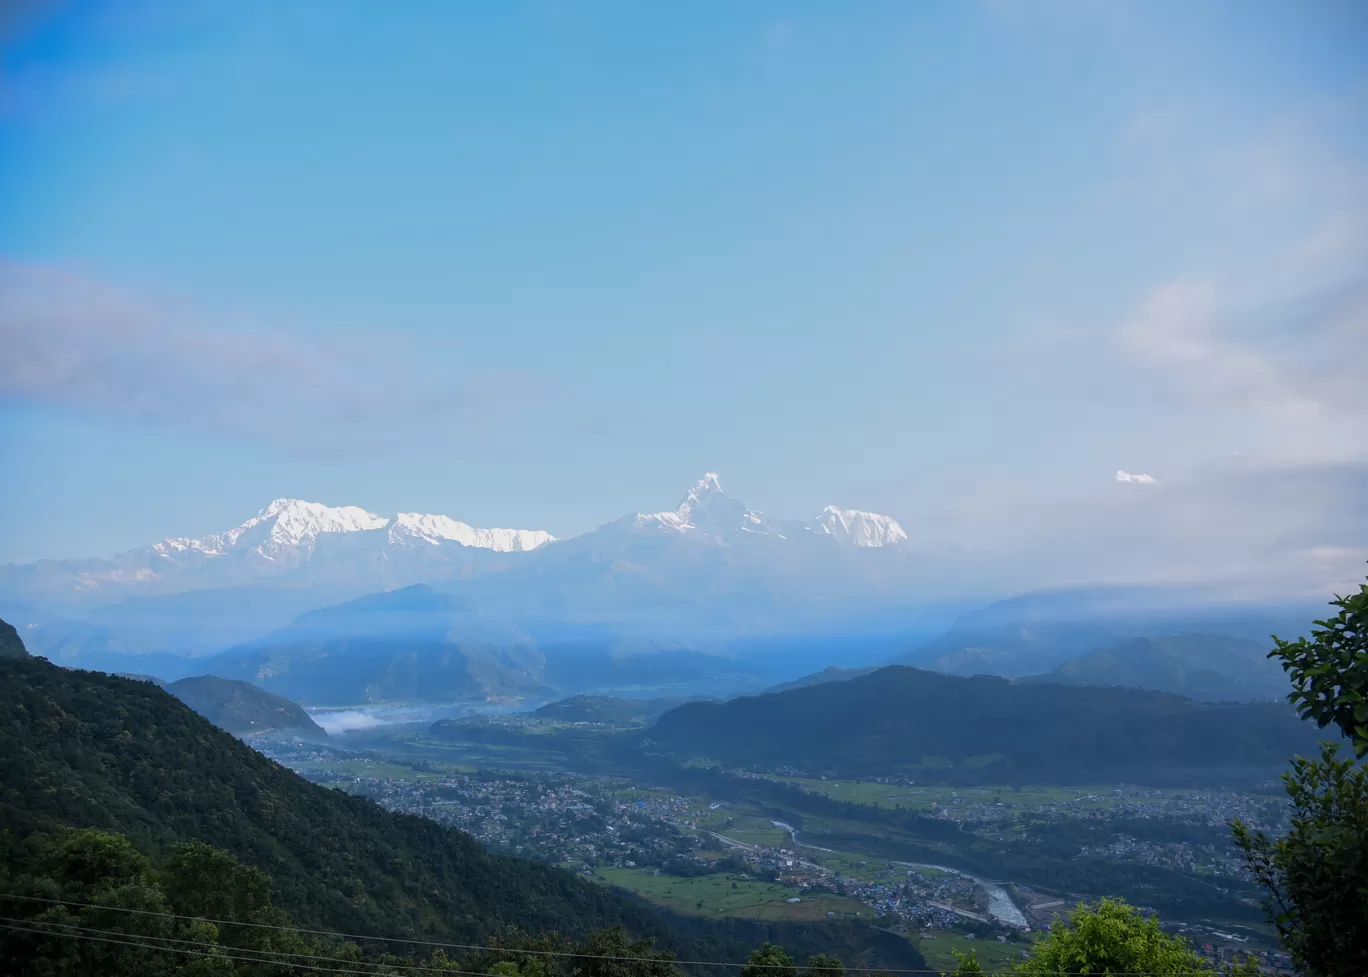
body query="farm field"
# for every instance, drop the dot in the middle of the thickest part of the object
(725, 894)
(373, 769)
(751, 828)
(939, 951)
(891, 796)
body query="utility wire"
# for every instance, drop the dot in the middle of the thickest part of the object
(459, 973)
(488, 949)
(264, 954)
(192, 953)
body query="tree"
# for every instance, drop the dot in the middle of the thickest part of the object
(127, 906)
(1330, 671)
(967, 964)
(634, 958)
(1315, 877)
(769, 961)
(825, 965)
(1110, 937)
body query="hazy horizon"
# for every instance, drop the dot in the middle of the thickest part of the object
(539, 267)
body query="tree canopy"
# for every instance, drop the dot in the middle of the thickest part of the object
(1315, 877)
(1111, 937)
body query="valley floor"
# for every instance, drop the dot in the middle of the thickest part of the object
(945, 867)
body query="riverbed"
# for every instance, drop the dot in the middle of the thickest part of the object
(1000, 904)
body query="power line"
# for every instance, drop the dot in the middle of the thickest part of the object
(447, 946)
(192, 953)
(456, 973)
(7, 921)
(264, 954)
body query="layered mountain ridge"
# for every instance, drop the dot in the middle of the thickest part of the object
(310, 544)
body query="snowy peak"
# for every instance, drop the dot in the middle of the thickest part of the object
(294, 521)
(283, 526)
(287, 532)
(708, 509)
(858, 527)
(706, 487)
(416, 527)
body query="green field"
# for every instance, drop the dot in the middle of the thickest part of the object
(992, 955)
(736, 823)
(488, 756)
(891, 796)
(370, 769)
(730, 895)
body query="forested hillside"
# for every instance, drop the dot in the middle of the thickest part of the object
(241, 708)
(1206, 667)
(605, 709)
(89, 750)
(908, 721)
(830, 674)
(11, 646)
(85, 749)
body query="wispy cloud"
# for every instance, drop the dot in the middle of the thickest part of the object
(1128, 478)
(1292, 370)
(1251, 530)
(75, 344)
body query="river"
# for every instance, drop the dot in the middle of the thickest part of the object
(1000, 904)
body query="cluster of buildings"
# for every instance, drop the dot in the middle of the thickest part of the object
(558, 818)
(586, 823)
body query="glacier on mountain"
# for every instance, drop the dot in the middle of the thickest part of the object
(707, 509)
(434, 529)
(860, 528)
(293, 527)
(349, 550)
(283, 526)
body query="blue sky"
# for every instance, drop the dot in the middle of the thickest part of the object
(542, 264)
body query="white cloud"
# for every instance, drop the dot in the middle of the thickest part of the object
(1135, 479)
(1247, 530)
(1289, 371)
(78, 345)
(339, 721)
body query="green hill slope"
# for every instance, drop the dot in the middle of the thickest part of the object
(11, 645)
(605, 709)
(986, 729)
(241, 708)
(1207, 667)
(832, 673)
(86, 749)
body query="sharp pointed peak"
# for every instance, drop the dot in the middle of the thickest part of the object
(708, 485)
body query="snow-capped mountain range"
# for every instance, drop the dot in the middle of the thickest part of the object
(311, 544)
(709, 510)
(287, 532)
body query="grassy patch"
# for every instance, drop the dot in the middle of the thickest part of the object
(368, 769)
(939, 951)
(730, 895)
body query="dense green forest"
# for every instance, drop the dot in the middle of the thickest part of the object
(831, 673)
(89, 902)
(242, 708)
(88, 750)
(902, 720)
(84, 749)
(11, 646)
(605, 709)
(79, 902)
